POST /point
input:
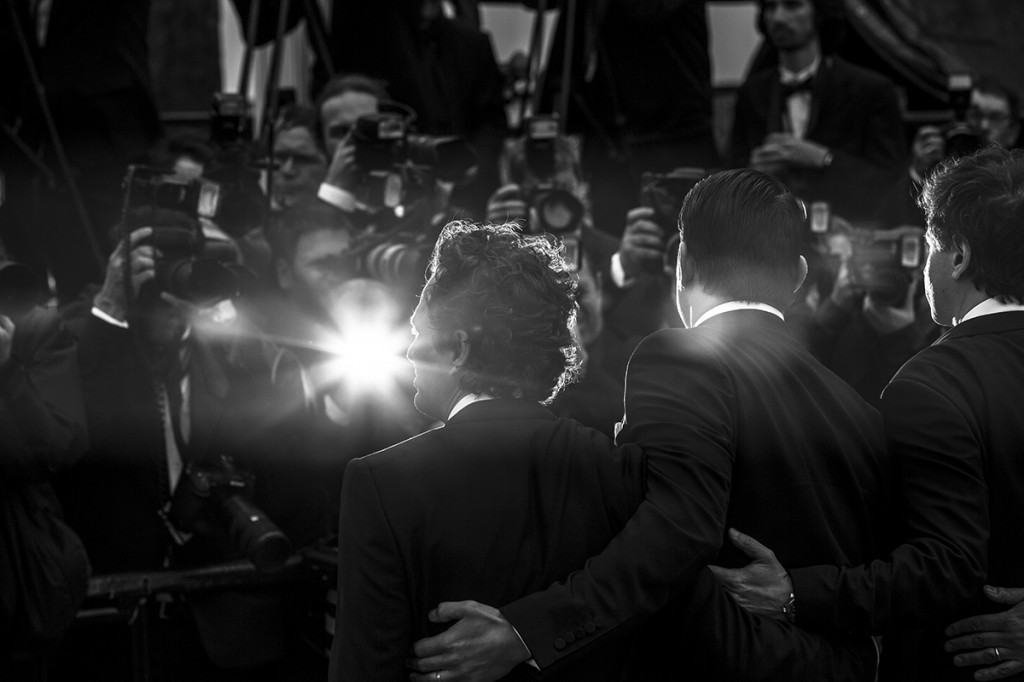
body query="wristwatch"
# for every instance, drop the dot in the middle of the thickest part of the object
(826, 160)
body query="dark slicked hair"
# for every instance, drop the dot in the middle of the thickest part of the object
(516, 298)
(978, 201)
(829, 18)
(744, 229)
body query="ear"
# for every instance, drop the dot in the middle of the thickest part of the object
(686, 267)
(802, 275)
(285, 278)
(961, 259)
(460, 353)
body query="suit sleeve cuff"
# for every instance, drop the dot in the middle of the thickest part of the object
(337, 197)
(109, 319)
(532, 663)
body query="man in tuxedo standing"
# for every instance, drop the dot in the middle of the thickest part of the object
(830, 130)
(953, 421)
(502, 499)
(739, 423)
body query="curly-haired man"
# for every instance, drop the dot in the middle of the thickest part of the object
(505, 497)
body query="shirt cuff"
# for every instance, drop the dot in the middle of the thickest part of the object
(532, 663)
(109, 319)
(337, 197)
(619, 273)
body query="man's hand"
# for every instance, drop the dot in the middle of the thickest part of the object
(889, 319)
(783, 150)
(995, 640)
(928, 149)
(762, 586)
(110, 298)
(343, 172)
(643, 245)
(6, 339)
(482, 646)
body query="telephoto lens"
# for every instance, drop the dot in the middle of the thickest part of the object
(252, 532)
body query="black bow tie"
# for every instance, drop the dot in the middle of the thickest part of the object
(806, 85)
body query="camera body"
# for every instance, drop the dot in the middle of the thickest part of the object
(400, 164)
(216, 498)
(665, 193)
(961, 138)
(882, 262)
(191, 266)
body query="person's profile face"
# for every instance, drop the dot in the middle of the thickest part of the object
(938, 280)
(339, 113)
(435, 381)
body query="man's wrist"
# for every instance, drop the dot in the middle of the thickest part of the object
(108, 312)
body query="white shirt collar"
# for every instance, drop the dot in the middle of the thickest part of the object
(729, 306)
(991, 306)
(787, 76)
(468, 399)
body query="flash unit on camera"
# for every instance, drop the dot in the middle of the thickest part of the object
(209, 199)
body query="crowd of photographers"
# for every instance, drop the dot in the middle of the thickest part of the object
(199, 404)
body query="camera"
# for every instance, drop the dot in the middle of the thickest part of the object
(397, 262)
(230, 119)
(882, 262)
(401, 165)
(664, 193)
(191, 266)
(213, 499)
(559, 213)
(541, 138)
(19, 290)
(961, 138)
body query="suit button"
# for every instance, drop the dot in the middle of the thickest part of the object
(590, 627)
(559, 643)
(569, 638)
(580, 633)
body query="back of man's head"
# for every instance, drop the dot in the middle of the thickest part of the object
(744, 231)
(977, 201)
(517, 298)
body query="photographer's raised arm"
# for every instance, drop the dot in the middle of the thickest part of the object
(110, 300)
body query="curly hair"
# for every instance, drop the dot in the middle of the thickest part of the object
(978, 201)
(515, 297)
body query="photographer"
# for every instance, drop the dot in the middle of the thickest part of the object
(987, 114)
(543, 183)
(299, 160)
(43, 566)
(873, 316)
(173, 400)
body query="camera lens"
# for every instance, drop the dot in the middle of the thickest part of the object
(255, 535)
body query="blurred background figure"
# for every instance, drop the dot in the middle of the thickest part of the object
(43, 565)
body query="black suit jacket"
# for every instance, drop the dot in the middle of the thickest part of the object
(741, 428)
(854, 112)
(498, 503)
(953, 418)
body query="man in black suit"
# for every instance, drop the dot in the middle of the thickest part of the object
(953, 422)
(502, 499)
(737, 421)
(831, 130)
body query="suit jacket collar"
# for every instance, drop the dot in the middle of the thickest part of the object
(500, 409)
(995, 323)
